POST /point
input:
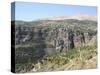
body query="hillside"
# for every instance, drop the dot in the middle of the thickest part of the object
(55, 45)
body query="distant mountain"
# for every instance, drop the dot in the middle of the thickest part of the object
(84, 17)
(77, 16)
(79, 21)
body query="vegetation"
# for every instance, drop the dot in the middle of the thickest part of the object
(78, 58)
(34, 39)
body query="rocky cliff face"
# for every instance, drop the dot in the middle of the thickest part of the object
(38, 39)
(49, 44)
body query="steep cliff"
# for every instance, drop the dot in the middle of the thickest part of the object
(37, 40)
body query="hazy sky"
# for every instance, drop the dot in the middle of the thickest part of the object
(32, 11)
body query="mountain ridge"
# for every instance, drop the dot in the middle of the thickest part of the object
(77, 16)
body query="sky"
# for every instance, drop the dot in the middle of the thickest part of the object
(29, 11)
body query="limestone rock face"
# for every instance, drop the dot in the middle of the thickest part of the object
(52, 36)
(58, 39)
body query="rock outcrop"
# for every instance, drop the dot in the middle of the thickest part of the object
(49, 37)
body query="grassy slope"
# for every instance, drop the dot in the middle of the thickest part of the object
(83, 57)
(79, 58)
